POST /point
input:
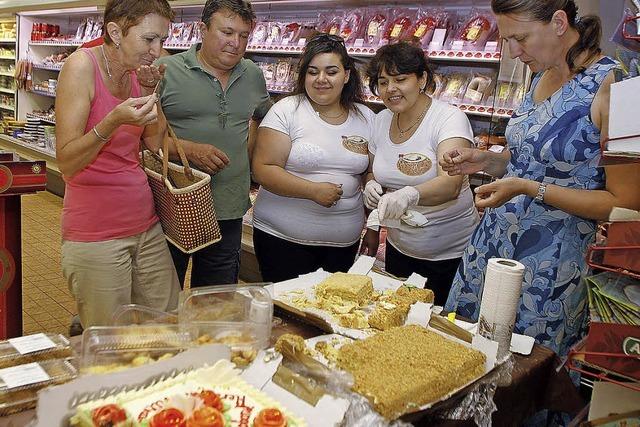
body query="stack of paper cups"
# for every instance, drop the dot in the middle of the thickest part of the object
(500, 298)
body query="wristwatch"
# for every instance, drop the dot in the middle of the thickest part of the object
(541, 190)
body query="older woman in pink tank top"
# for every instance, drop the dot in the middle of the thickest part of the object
(113, 248)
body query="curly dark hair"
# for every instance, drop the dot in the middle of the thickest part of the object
(399, 58)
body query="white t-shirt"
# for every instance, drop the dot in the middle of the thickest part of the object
(320, 152)
(414, 162)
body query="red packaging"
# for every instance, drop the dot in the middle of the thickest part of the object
(332, 25)
(291, 33)
(398, 28)
(476, 30)
(374, 28)
(351, 27)
(425, 25)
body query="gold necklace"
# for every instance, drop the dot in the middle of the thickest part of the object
(331, 117)
(418, 120)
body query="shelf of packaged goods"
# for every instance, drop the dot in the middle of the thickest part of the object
(365, 52)
(28, 150)
(43, 93)
(7, 90)
(280, 88)
(43, 118)
(47, 67)
(7, 40)
(8, 58)
(6, 74)
(7, 107)
(472, 110)
(55, 43)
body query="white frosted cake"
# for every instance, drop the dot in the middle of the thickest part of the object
(212, 396)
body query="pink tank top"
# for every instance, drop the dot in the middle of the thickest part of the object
(110, 198)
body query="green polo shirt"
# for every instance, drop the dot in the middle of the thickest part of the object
(199, 110)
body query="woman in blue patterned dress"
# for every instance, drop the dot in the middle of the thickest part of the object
(542, 209)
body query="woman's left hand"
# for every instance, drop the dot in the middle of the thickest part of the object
(498, 192)
(370, 242)
(150, 75)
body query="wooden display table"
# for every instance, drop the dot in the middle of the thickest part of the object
(17, 177)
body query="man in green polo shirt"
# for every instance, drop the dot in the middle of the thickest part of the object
(211, 96)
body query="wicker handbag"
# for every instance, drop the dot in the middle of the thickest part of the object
(183, 199)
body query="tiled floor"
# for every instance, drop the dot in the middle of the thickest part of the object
(47, 305)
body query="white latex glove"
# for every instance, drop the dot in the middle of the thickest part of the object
(394, 205)
(372, 193)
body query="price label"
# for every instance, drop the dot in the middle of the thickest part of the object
(491, 46)
(302, 41)
(457, 45)
(358, 43)
(18, 376)
(31, 343)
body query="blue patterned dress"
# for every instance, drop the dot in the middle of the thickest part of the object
(555, 142)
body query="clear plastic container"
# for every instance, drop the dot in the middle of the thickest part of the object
(115, 348)
(10, 356)
(238, 316)
(134, 314)
(25, 397)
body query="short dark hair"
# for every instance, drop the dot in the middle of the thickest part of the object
(589, 27)
(129, 13)
(325, 43)
(399, 58)
(241, 8)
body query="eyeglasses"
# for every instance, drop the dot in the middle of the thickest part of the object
(324, 37)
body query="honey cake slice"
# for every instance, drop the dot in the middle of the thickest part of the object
(351, 287)
(415, 294)
(404, 368)
(387, 315)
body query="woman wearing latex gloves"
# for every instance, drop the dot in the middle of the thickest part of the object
(408, 139)
(542, 210)
(310, 158)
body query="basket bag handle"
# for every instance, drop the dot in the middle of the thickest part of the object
(183, 157)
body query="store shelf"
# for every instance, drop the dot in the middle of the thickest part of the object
(43, 93)
(47, 67)
(8, 58)
(42, 153)
(472, 110)
(7, 74)
(364, 52)
(7, 107)
(43, 118)
(11, 41)
(7, 90)
(56, 43)
(444, 55)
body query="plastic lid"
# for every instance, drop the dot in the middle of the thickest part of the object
(222, 311)
(45, 373)
(115, 348)
(33, 348)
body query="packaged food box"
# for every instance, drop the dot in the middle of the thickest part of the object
(19, 385)
(238, 316)
(115, 348)
(33, 348)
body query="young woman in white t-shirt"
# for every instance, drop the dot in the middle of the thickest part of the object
(409, 137)
(310, 157)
